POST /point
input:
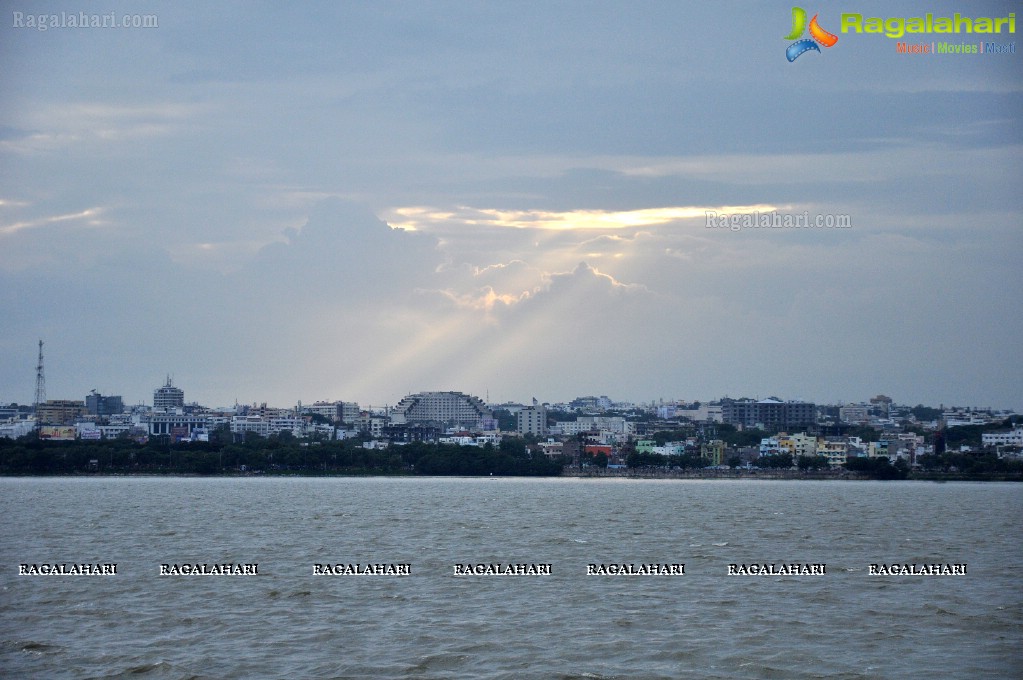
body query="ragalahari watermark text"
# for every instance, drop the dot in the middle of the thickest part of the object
(45, 22)
(776, 220)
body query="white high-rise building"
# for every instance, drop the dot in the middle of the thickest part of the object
(532, 420)
(168, 396)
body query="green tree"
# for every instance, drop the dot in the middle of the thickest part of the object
(864, 432)
(877, 468)
(780, 461)
(925, 413)
(506, 421)
(805, 463)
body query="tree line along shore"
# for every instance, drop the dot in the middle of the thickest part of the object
(511, 457)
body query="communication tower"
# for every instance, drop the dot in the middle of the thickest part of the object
(40, 380)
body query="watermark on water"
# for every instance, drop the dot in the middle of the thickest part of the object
(776, 220)
(44, 22)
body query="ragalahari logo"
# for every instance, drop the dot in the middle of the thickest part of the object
(818, 35)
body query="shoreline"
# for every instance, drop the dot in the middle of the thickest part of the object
(683, 475)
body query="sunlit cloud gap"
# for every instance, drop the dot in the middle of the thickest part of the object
(422, 217)
(90, 215)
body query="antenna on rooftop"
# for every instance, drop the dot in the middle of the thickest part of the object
(40, 380)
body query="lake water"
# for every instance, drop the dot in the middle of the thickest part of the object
(287, 622)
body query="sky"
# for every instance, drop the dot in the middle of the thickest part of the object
(283, 202)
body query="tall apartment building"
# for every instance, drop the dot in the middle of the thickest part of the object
(168, 396)
(739, 412)
(771, 413)
(786, 415)
(531, 420)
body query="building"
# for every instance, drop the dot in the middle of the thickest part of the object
(59, 411)
(771, 414)
(531, 420)
(168, 396)
(346, 412)
(326, 409)
(264, 426)
(835, 449)
(798, 444)
(882, 449)
(740, 412)
(594, 404)
(613, 424)
(372, 425)
(1013, 438)
(592, 451)
(98, 405)
(401, 434)
(714, 451)
(777, 415)
(451, 409)
(349, 412)
(176, 424)
(709, 413)
(16, 429)
(854, 413)
(552, 448)
(958, 417)
(882, 404)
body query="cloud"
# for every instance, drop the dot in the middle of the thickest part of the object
(421, 218)
(345, 246)
(250, 199)
(483, 299)
(89, 217)
(62, 125)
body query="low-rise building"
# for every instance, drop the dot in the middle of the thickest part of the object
(552, 448)
(1011, 438)
(176, 423)
(835, 449)
(769, 446)
(714, 451)
(17, 428)
(799, 444)
(265, 427)
(345, 412)
(592, 451)
(854, 413)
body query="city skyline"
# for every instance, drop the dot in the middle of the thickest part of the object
(508, 201)
(158, 398)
